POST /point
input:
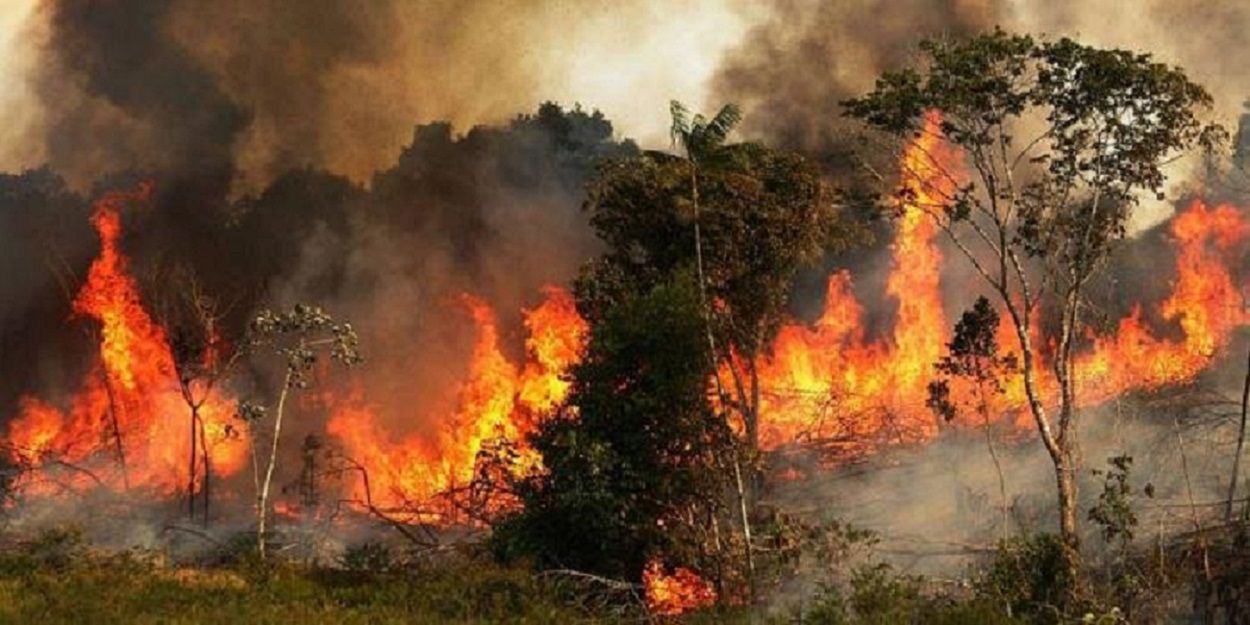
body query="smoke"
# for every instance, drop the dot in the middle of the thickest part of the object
(934, 508)
(252, 89)
(793, 68)
(790, 72)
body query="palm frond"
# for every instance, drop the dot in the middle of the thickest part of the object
(679, 132)
(717, 130)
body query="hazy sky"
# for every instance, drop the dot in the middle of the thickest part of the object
(341, 83)
(626, 59)
(14, 96)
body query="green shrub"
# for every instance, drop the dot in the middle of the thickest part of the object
(128, 589)
(54, 549)
(1027, 576)
(876, 595)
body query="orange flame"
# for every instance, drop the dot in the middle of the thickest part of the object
(825, 382)
(1205, 303)
(880, 386)
(132, 395)
(498, 400)
(676, 593)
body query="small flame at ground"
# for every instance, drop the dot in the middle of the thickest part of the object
(670, 594)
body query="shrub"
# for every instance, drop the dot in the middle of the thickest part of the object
(1027, 576)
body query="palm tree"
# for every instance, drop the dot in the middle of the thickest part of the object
(702, 140)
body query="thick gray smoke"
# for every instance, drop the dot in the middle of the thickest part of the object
(790, 72)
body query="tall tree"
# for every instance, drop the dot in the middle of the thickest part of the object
(742, 217)
(631, 462)
(1061, 140)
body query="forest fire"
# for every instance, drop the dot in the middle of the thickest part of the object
(324, 311)
(831, 364)
(129, 405)
(824, 381)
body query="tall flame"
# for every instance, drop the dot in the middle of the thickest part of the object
(128, 424)
(497, 400)
(825, 382)
(815, 369)
(1205, 303)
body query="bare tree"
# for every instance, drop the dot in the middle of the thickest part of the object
(202, 358)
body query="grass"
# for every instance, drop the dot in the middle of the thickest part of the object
(61, 584)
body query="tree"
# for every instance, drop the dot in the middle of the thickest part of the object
(298, 338)
(1061, 140)
(742, 217)
(202, 359)
(973, 358)
(631, 462)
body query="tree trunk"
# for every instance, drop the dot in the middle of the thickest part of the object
(193, 461)
(752, 409)
(208, 468)
(998, 465)
(746, 530)
(1241, 441)
(117, 429)
(1065, 476)
(1058, 447)
(262, 500)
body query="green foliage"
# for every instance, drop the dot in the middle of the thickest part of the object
(630, 461)
(762, 213)
(1029, 577)
(700, 137)
(1114, 512)
(972, 354)
(372, 556)
(298, 334)
(52, 550)
(238, 550)
(1109, 121)
(125, 589)
(877, 595)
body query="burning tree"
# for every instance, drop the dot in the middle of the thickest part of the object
(297, 337)
(1061, 140)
